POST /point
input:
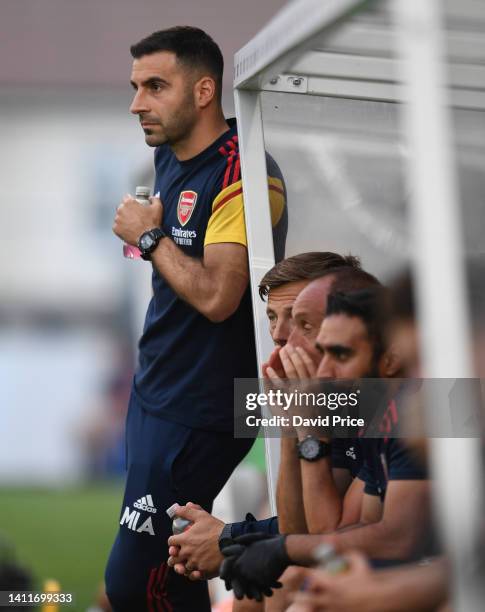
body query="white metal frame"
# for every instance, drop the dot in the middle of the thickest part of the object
(259, 232)
(287, 56)
(295, 25)
(288, 49)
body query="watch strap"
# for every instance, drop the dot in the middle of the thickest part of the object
(156, 234)
(225, 538)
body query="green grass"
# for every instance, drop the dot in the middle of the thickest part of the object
(63, 534)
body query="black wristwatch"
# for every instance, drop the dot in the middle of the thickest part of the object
(148, 242)
(312, 449)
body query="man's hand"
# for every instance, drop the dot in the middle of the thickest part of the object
(133, 218)
(355, 590)
(274, 362)
(288, 364)
(195, 553)
(253, 565)
(274, 379)
(297, 363)
(299, 375)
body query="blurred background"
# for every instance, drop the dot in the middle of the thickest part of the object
(71, 306)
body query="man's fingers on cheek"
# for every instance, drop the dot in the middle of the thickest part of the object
(296, 362)
(296, 358)
(285, 362)
(283, 354)
(307, 360)
(179, 568)
(195, 575)
(273, 376)
(304, 356)
(288, 363)
(293, 355)
(289, 369)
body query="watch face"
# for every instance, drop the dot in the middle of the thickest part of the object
(309, 448)
(146, 241)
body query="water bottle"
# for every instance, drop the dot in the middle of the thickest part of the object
(327, 558)
(179, 524)
(141, 195)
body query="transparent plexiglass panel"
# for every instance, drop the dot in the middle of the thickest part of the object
(469, 150)
(343, 166)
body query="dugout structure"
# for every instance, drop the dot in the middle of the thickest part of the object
(375, 111)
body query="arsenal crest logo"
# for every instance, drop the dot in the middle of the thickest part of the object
(186, 205)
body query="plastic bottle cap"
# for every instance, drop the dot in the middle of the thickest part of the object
(143, 191)
(172, 510)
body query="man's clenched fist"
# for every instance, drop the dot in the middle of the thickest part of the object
(133, 218)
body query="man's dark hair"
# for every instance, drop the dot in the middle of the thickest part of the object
(305, 266)
(400, 302)
(365, 304)
(348, 280)
(192, 46)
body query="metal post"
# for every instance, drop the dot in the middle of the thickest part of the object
(259, 234)
(438, 267)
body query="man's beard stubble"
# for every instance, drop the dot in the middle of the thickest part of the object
(177, 128)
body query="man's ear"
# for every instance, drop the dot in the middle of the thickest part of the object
(204, 91)
(390, 363)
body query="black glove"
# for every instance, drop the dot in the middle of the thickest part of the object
(253, 564)
(241, 587)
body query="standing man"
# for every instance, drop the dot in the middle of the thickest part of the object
(180, 443)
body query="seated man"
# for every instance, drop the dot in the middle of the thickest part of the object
(394, 510)
(315, 495)
(412, 587)
(323, 481)
(196, 552)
